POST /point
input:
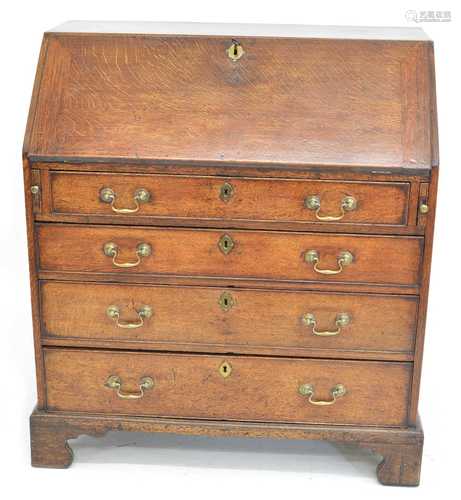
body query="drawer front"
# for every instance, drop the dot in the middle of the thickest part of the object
(230, 254)
(227, 388)
(192, 318)
(217, 198)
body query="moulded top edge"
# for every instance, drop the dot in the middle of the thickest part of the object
(419, 171)
(231, 29)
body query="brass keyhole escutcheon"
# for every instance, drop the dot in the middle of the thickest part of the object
(235, 51)
(225, 369)
(226, 192)
(226, 301)
(226, 244)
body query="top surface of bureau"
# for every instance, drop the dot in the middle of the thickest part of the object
(361, 99)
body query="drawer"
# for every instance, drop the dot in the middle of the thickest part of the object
(227, 388)
(218, 198)
(266, 255)
(193, 318)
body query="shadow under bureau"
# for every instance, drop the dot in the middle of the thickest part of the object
(230, 233)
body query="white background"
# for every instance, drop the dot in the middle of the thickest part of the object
(124, 465)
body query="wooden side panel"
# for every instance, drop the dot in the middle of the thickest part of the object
(426, 273)
(34, 292)
(429, 222)
(35, 189)
(256, 254)
(257, 389)
(34, 99)
(423, 201)
(199, 318)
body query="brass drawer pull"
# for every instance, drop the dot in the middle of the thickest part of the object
(342, 319)
(348, 204)
(113, 312)
(108, 195)
(423, 208)
(115, 382)
(308, 390)
(344, 259)
(142, 250)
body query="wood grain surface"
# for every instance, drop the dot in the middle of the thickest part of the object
(294, 101)
(400, 448)
(251, 199)
(191, 318)
(258, 389)
(256, 254)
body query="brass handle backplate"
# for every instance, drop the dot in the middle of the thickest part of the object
(115, 382)
(342, 320)
(345, 258)
(143, 312)
(108, 195)
(348, 204)
(142, 250)
(308, 390)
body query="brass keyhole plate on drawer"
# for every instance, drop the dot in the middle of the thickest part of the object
(226, 301)
(235, 51)
(225, 369)
(226, 192)
(226, 244)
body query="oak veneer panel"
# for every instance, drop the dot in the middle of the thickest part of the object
(381, 203)
(191, 317)
(290, 101)
(258, 389)
(257, 254)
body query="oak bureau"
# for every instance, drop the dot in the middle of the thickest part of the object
(230, 231)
